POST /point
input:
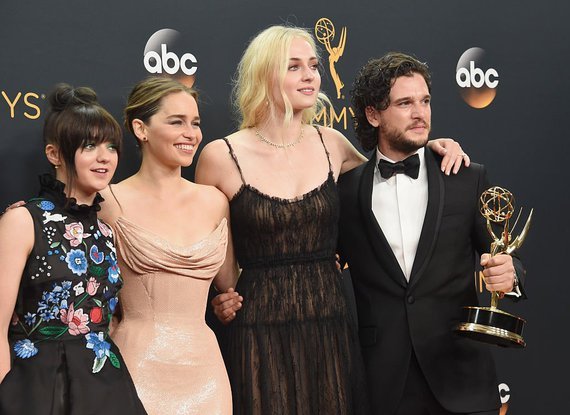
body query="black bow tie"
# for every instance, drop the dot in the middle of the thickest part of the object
(409, 166)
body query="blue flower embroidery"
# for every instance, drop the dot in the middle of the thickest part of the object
(102, 350)
(46, 205)
(112, 304)
(30, 318)
(76, 261)
(25, 349)
(113, 271)
(48, 313)
(95, 255)
(113, 274)
(98, 344)
(53, 301)
(48, 297)
(61, 293)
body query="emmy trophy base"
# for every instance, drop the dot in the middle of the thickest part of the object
(491, 325)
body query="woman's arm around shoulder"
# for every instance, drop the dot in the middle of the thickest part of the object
(227, 303)
(16, 242)
(217, 204)
(452, 153)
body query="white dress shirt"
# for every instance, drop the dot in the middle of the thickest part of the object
(399, 205)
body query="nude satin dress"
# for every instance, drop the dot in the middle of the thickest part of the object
(172, 355)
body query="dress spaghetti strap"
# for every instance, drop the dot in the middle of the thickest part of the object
(235, 159)
(325, 147)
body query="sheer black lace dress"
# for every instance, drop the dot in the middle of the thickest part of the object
(292, 348)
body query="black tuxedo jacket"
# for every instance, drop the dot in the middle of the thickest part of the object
(397, 318)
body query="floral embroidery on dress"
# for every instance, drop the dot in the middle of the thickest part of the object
(76, 261)
(46, 205)
(86, 296)
(95, 255)
(105, 230)
(75, 319)
(74, 233)
(113, 272)
(25, 348)
(102, 351)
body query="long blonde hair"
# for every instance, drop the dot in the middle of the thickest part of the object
(266, 56)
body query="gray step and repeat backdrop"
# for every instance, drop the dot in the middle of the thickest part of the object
(500, 87)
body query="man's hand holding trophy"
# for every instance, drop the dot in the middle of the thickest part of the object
(490, 324)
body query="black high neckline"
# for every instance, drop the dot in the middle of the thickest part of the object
(54, 190)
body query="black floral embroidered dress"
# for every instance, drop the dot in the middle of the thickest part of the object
(62, 359)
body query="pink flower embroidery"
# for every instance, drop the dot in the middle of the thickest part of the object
(105, 230)
(75, 320)
(92, 286)
(74, 233)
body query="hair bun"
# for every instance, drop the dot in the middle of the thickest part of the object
(64, 96)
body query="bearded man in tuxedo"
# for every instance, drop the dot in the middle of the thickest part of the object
(410, 235)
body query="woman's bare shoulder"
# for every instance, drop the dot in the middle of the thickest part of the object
(115, 195)
(342, 149)
(209, 195)
(17, 216)
(17, 224)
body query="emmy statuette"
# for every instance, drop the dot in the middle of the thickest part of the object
(489, 324)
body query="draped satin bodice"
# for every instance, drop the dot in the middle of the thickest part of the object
(160, 289)
(174, 357)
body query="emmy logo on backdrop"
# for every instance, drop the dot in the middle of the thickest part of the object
(325, 33)
(489, 324)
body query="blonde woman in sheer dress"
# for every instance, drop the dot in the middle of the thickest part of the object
(172, 241)
(292, 348)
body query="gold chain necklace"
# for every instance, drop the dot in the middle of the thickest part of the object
(271, 143)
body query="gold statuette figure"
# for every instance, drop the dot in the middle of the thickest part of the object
(489, 324)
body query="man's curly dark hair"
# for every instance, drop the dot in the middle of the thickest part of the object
(372, 87)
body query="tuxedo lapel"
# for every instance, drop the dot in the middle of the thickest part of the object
(378, 241)
(432, 220)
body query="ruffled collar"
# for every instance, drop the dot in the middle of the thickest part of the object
(53, 189)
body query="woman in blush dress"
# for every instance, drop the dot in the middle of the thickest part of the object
(60, 279)
(172, 241)
(292, 348)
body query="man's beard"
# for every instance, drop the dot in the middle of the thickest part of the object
(397, 140)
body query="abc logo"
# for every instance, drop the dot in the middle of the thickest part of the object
(504, 392)
(477, 85)
(476, 77)
(505, 395)
(169, 62)
(162, 56)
